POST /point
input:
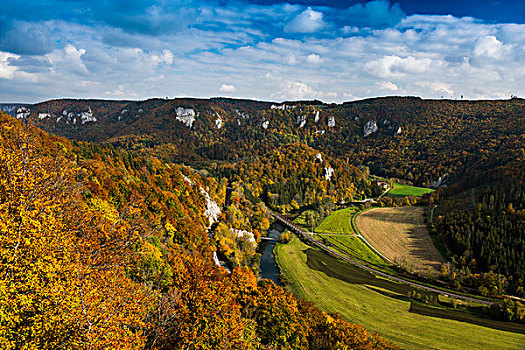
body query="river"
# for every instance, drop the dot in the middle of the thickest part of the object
(268, 268)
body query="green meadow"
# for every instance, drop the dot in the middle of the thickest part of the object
(381, 305)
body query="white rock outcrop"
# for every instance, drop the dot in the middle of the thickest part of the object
(216, 259)
(9, 109)
(23, 112)
(398, 131)
(328, 173)
(242, 234)
(265, 124)
(43, 115)
(316, 119)
(87, 117)
(218, 121)
(187, 179)
(331, 121)
(369, 128)
(242, 114)
(301, 120)
(440, 182)
(185, 115)
(212, 211)
(318, 158)
(320, 132)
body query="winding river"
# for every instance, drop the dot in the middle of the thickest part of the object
(268, 268)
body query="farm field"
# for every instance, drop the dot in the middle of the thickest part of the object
(401, 235)
(354, 247)
(338, 222)
(401, 190)
(364, 299)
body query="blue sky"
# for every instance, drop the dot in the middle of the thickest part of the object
(264, 49)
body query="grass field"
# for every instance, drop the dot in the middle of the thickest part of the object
(401, 190)
(360, 298)
(401, 235)
(338, 222)
(354, 247)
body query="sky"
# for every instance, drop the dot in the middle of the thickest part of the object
(273, 50)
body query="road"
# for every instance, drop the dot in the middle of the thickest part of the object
(315, 242)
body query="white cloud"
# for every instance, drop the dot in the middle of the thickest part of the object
(7, 71)
(297, 90)
(308, 21)
(437, 86)
(291, 60)
(489, 46)
(313, 59)
(395, 66)
(227, 88)
(166, 57)
(388, 85)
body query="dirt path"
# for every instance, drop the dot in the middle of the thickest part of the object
(401, 235)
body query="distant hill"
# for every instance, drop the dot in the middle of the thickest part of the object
(12, 108)
(405, 137)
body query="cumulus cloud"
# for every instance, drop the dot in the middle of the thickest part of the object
(7, 71)
(313, 59)
(489, 46)
(437, 86)
(308, 21)
(227, 88)
(166, 57)
(297, 90)
(388, 85)
(394, 66)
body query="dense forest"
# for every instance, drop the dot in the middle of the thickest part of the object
(295, 176)
(484, 228)
(409, 138)
(103, 248)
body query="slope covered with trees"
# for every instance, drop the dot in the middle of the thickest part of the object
(101, 248)
(410, 138)
(296, 176)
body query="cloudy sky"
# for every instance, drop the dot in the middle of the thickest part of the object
(263, 49)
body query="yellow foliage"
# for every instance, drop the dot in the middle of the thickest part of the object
(62, 274)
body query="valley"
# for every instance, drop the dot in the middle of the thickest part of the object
(262, 175)
(361, 298)
(203, 181)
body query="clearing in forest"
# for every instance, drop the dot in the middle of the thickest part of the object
(338, 222)
(401, 235)
(401, 190)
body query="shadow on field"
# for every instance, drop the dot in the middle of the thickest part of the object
(348, 273)
(457, 315)
(332, 267)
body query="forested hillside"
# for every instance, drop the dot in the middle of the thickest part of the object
(410, 138)
(111, 248)
(484, 228)
(296, 176)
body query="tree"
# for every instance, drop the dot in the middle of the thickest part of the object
(63, 283)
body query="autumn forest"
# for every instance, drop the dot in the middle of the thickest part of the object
(138, 224)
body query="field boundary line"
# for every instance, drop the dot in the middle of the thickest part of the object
(356, 229)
